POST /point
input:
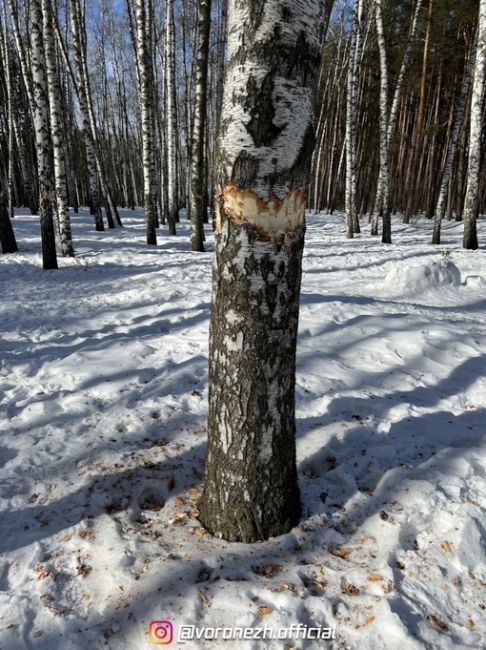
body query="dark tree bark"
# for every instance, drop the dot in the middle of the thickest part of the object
(266, 141)
(7, 236)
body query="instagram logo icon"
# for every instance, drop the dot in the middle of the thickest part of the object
(160, 632)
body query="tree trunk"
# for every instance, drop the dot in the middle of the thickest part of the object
(352, 218)
(171, 120)
(79, 38)
(7, 236)
(452, 148)
(471, 205)
(57, 133)
(147, 110)
(7, 62)
(266, 141)
(42, 137)
(382, 204)
(197, 183)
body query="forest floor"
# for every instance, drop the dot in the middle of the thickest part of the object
(103, 393)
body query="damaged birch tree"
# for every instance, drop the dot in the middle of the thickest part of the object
(266, 141)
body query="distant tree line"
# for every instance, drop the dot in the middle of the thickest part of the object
(112, 105)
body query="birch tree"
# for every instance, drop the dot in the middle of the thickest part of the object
(171, 120)
(197, 179)
(144, 30)
(471, 206)
(57, 132)
(29, 171)
(42, 136)
(266, 143)
(383, 206)
(83, 94)
(354, 65)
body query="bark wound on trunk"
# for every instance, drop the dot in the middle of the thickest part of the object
(274, 218)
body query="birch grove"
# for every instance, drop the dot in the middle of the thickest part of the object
(135, 98)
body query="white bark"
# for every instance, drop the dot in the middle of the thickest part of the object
(143, 13)
(197, 170)
(472, 191)
(266, 143)
(354, 66)
(82, 86)
(42, 136)
(57, 133)
(171, 119)
(382, 206)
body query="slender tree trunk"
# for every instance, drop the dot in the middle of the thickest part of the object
(403, 69)
(147, 109)
(198, 195)
(57, 133)
(42, 137)
(29, 171)
(460, 175)
(7, 236)
(171, 120)
(383, 206)
(5, 49)
(419, 128)
(266, 143)
(355, 53)
(78, 41)
(471, 206)
(452, 148)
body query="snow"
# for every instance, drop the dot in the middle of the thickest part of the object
(408, 279)
(103, 392)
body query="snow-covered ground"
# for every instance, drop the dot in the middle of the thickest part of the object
(103, 391)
